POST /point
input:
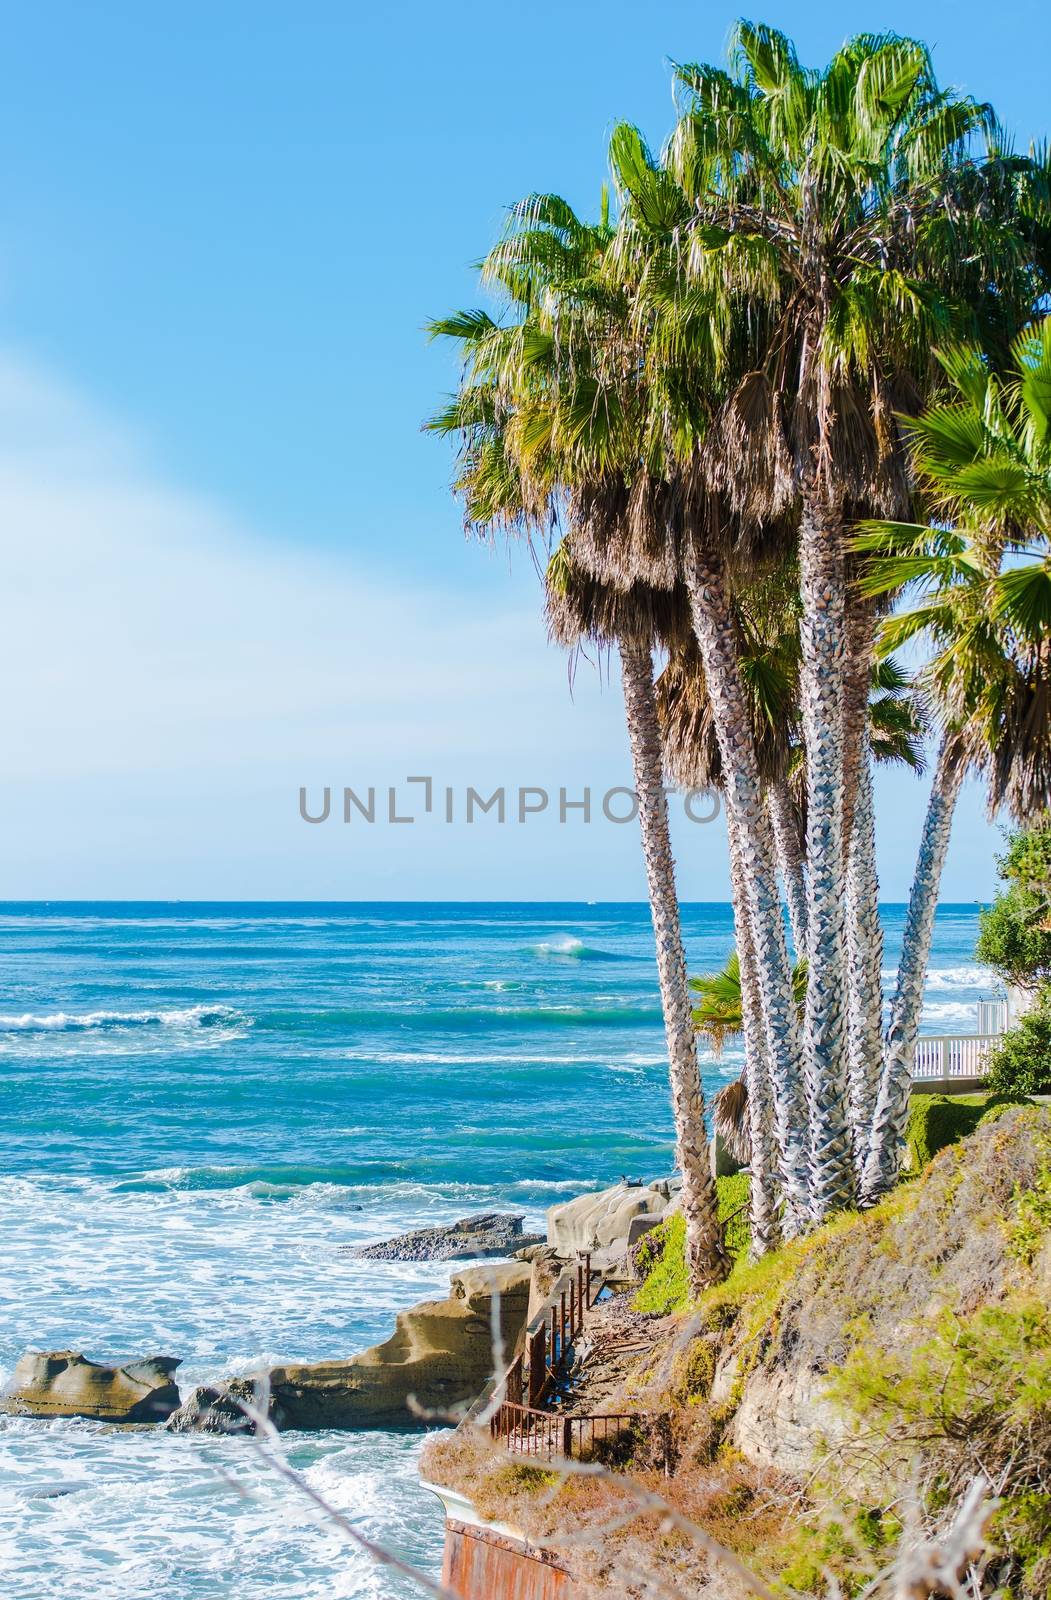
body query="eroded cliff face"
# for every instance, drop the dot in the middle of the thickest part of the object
(890, 1355)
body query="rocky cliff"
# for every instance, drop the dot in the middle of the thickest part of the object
(833, 1400)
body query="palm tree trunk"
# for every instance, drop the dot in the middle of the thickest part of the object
(864, 967)
(788, 841)
(706, 1259)
(857, 684)
(821, 630)
(762, 1198)
(713, 627)
(863, 929)
(892, 1103)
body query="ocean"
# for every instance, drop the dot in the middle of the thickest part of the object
(202, 1103)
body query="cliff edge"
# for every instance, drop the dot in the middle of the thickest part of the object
(831, 1402)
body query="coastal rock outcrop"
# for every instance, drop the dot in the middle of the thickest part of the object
(217, 1410)
(438, 1359)
(63, 1383)
(603, 1220)
(493, 1233)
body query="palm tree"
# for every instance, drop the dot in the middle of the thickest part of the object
(895, 722)
(533, 444)
(672, 347)
(718, 1010)
(768, 646)
(693, 760)
(766, 625)
(983, 460)
(822, 229)
(628, 505)
(580, 609)
(742, 1111)
(895, 727)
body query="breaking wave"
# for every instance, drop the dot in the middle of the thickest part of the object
(569, 948)
(199, 1016)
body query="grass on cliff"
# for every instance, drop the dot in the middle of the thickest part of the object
(935, 1122)
(662, 1252)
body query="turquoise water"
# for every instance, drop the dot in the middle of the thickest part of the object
(203, 1102)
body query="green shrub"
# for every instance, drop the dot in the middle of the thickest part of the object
(1027, 859)
(999, 1103)
(937, 1120)
(664, 1287)
(1022, 1064)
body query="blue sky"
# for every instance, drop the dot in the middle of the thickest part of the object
(233, 566)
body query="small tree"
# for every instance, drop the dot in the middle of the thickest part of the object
(1015, 937)
(1022, 1064)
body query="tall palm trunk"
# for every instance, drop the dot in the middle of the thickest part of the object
(713, 627)
(788, 841)
(705, 1257)
(892, 1103)
(864, 968)
(863, 929)
(857, 683)
(764, 1226)
(823, 587)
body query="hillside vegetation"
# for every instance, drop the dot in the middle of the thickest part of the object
(839, 1396)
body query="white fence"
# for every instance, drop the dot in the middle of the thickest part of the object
(992, 1016)
(963, 1055)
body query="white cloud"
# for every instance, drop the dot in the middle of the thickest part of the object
(172, 677)
(147, 627)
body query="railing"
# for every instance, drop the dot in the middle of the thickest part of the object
(514, 1405)
(550, 1336)
(531, 1432)
(964, 1055)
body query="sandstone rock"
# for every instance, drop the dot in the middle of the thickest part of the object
(784, 1417)
(602, 1221)
(438, 1359)
(62, 1383)
(208, 1410)
(493, 1233)
(547, 1267)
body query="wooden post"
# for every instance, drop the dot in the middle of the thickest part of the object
(554, 1336)
(537, 1363)
(562, 1327)
(572, 1311)
(587, 1277)
(567, 1438)
(580, 1292)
